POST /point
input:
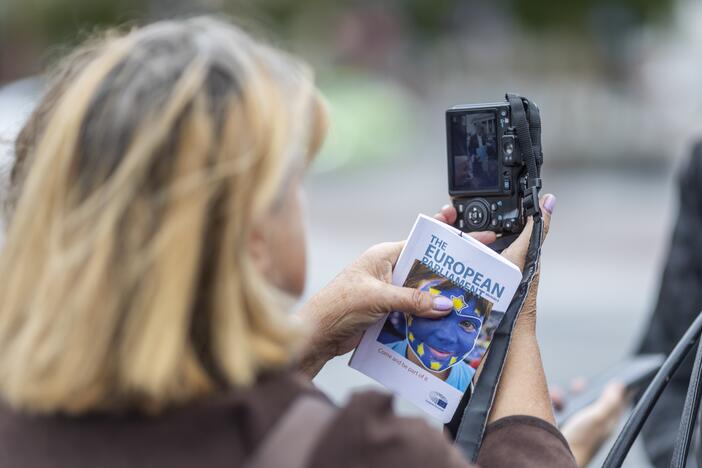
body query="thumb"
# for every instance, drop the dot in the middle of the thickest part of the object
(548, 204)
(412, 301)
(517, 251)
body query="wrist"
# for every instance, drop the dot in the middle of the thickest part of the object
(525, 326)
(320, 346)
(312, 359)
(315, 354)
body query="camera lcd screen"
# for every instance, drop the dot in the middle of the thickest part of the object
(474, 151)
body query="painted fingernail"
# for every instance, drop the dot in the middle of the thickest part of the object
(550, 203)
(441, 303)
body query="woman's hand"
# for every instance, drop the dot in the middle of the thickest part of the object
(590, 427)
(516, 253)
(360, 295)
(522, 389)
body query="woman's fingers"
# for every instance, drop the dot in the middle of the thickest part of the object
(449, 211)
(448, 215)
(382, 255)
(412, 301)
(484, 237)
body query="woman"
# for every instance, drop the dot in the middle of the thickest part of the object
(154, 246)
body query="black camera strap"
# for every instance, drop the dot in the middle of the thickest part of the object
(650, 396)
(527, 122)
(470, 420)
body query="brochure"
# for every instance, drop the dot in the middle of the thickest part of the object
(432, 362)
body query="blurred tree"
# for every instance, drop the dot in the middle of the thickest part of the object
(31, 31)
(29, 27)
(579, 14)
(58, 20)
(429, 18)
(61, 20)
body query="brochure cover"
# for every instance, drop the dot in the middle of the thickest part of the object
(432, 362)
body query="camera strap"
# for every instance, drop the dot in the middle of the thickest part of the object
(650, 396)
(470, 420)
(527, 123)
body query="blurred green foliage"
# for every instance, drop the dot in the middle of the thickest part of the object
(580, 14)
(373, 120)
(60, 20)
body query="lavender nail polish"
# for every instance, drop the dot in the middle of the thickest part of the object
(550, 203)
(442, 303)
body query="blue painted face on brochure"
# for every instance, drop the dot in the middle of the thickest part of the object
(442, 343)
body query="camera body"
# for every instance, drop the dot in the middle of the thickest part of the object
(486, 169)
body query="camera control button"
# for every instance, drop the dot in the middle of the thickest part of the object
(460, 207)
(507, 184)
(493, 207)
(511, 225)
(477, 215)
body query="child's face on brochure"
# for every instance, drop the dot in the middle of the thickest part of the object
(442, 343)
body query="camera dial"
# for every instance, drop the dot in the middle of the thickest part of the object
(477, 214)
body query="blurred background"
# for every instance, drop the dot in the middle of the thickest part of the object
(617, 82)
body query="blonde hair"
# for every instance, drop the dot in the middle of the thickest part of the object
(126, 278)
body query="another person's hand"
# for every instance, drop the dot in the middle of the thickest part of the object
(361, 294)
(590, 427)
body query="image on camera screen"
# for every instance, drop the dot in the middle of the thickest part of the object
(474, 151)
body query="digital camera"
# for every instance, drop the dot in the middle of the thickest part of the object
(488, 177)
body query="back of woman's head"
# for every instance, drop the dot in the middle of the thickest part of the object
(126, 278)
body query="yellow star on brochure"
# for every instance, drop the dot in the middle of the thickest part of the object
(458, 303)
(434, 291)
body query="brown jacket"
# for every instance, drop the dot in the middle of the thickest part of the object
(225, 431)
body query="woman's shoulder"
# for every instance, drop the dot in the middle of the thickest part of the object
(367, 432)
(222, 430)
